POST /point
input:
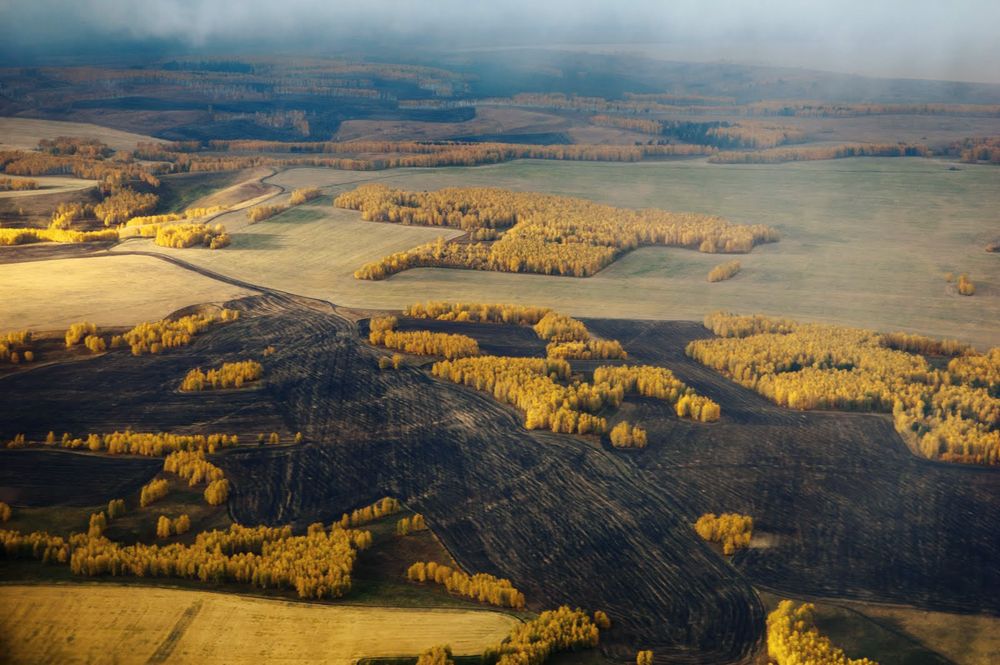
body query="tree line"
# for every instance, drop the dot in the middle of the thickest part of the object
(360, 516)
(155, 336)
(541, 233)
(814, 153)
(147, 444)
(949, 414)
(481, 586)
(382, 332)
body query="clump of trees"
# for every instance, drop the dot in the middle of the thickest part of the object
(949, 414)
(360, 516)
(644, 658)
(116, 508)
(481, 586)
(153, 491)
(724, 271)
(192, 466)
(5, 511)
(166, 527)
(17, 184)
(317, 565)
(408, 525)
(78, 331)
(180, 236)
(731, 530)
(261, 212)
(439, 655)
(794, 639)
(530, 384)
(532, 642)
(217, 492)
(15, 346)
(303, 194)
(229, 375)
(965, 285)
(124, 204)
(624, 435)
(542, 233)
(420, 342)
(155, 336)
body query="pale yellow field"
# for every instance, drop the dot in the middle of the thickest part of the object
(25, 133)
(966, 640)
(50, 185)
(109, 291)
(110, 624)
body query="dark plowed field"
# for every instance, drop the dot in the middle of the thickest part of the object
(45, 478)
(845, 507)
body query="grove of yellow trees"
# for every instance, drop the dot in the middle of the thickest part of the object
(5, 511)
(153, 491)
(420, 342)
(155, 336)
(192, 466)
(481, 586)
(530, 384)
(624, 435)
(542, 233)
(15, 346)
(950, 414)
(408, 525)
(166, 527)
(659, 383)
(180, 236)
(439, 655)
(724, 271)
(731, 530)
(793, 639)
(532, 642)
(229, 375)
(217, 492)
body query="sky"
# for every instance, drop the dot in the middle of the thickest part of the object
(941, 39)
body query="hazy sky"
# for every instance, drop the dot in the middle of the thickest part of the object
(952, 39)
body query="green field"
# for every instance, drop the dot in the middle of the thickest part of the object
(866, 242)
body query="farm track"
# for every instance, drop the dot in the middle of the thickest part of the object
(851, 512)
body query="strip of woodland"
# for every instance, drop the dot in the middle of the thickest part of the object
(541, 233)
(481, 586)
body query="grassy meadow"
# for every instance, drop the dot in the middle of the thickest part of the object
(108, 291)
(865, 242)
